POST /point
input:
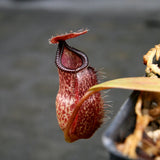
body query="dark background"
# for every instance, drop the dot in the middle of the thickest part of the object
(121, 32)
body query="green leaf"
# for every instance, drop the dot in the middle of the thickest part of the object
(133, 83)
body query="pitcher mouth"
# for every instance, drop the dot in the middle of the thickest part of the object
(70, 59)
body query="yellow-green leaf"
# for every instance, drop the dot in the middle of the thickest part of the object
(133, 83)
